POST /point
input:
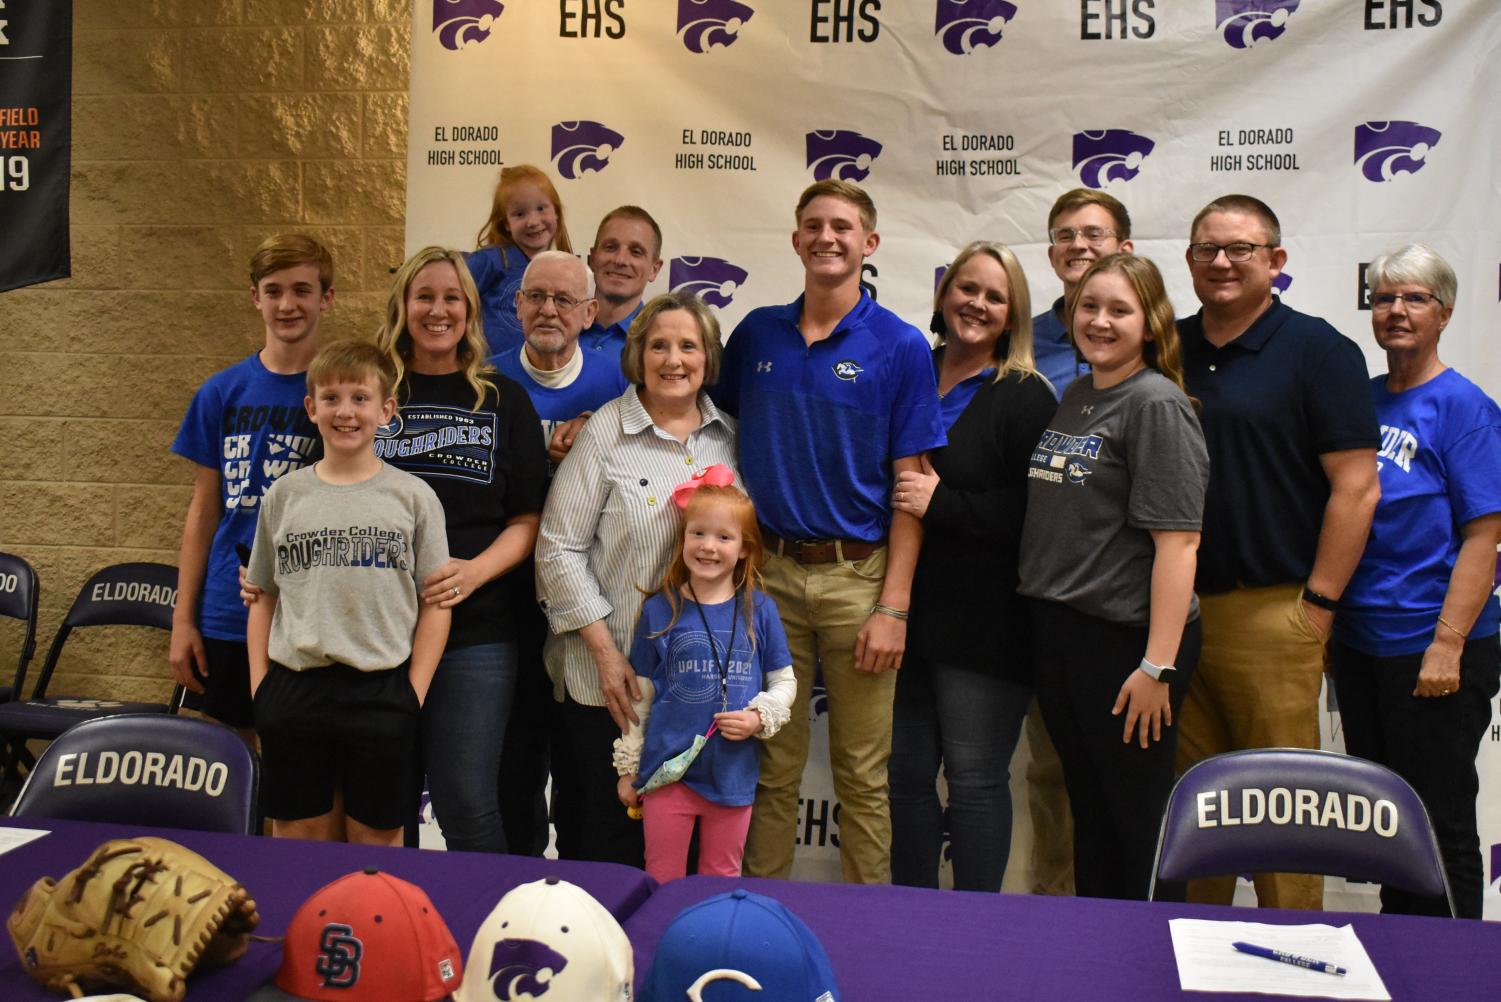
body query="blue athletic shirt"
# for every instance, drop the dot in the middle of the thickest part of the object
(608, 340)
(820, 425)
(1440, 464)
(686, 677)
(248, 423)
(952, 403)
(1053, 352)
(497, 275)
(598, 382)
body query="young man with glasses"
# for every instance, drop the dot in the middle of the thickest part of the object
(1292, 436)
(1084, 225)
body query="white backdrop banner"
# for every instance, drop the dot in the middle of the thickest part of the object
(1364, 123)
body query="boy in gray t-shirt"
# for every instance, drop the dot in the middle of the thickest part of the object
(342, 648)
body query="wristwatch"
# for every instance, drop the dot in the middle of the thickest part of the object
(1158, 673)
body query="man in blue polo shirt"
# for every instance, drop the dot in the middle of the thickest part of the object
(625, 259)
(835, 395)
(1084, 225)
(1292, 436)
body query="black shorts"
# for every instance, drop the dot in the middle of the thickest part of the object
(226, 687)
(337, 728)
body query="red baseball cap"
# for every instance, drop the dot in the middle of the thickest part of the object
(368, 937)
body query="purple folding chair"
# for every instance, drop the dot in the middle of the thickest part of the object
(1292, 810)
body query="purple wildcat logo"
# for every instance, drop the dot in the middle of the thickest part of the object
(1243, 23)
(712, 279)
(841, 154)
(965, 25)
(1385, 149)
(1109, 155)
(1282, 282)
(704, 24)
(458, 23)
(580, 148)
(516, 966)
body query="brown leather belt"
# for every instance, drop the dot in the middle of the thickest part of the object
(818, 551)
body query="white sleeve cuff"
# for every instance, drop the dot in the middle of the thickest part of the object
(775, 703)
(626, 754)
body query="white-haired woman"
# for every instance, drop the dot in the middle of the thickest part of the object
(1415, 655)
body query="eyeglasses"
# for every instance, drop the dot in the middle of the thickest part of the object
(1235, 253)
(562, 300)
(1384, 301)
(1091, 234)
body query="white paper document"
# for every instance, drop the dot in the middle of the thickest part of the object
(14, 838)
(1208, 962)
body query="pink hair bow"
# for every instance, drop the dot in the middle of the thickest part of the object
(718, 475)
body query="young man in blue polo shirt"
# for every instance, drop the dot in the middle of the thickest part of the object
(1292, 437)
(1084, 225)
(625, 259)
(835, 395)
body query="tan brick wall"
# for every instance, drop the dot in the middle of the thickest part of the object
(199, 128)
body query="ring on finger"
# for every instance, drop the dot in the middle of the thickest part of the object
(456, 591)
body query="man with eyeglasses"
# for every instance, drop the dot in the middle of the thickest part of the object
(1292, 437)
(1084, 225)
(554, 305)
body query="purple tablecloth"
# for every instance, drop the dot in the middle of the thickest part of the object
(280, 874)
(904, 945)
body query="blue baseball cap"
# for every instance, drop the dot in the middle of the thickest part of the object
(739, 947)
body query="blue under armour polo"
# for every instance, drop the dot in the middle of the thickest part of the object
(820, 425)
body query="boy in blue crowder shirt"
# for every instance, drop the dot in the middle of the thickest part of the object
(246, 426)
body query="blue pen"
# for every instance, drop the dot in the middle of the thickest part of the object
(1288, 958)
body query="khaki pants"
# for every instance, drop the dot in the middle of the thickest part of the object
(1257, 687)
(1052, 821)
(823, 607)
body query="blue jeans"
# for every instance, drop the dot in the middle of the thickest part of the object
(463, 726)
(969, 722)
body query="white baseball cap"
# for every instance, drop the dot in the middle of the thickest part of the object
(550, 937)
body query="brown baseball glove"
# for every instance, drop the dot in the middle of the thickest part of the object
(140, 913)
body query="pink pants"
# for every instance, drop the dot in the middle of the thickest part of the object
(669, 813)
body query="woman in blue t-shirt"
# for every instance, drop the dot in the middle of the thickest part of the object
(1415, 656)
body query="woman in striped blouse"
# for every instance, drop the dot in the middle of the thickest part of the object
(607, 533)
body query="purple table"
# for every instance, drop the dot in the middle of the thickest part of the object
(280, 874)
(903, 944)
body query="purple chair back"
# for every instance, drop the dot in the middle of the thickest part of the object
(147, 769)
(1294, 810)
(18, 600)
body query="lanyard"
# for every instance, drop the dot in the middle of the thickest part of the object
(724, 673)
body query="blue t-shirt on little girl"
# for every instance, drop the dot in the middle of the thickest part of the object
(687, 679)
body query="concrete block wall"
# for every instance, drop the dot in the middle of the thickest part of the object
(199, 128)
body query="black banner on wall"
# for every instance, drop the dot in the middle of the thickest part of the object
(36, 90)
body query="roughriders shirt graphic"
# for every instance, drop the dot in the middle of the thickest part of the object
(367, 546)
(440, 442)
(249, 425)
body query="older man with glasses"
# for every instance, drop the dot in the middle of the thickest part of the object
(1292, 437)
(554, 305)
